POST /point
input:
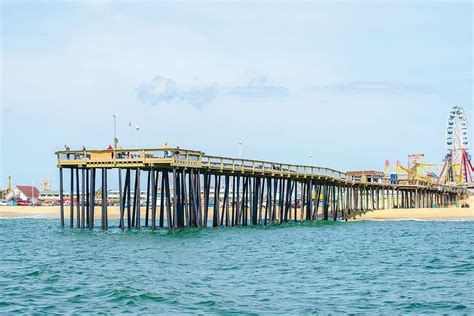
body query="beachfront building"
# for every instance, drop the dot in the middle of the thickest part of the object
(368, 176)
(23, 193)
(51, 197)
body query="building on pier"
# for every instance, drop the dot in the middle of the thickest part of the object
(370, 176)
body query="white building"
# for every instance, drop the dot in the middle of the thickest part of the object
(23, 193)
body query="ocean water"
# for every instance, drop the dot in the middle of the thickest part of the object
(355, 267)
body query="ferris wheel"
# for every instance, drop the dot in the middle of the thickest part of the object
(457, 164)
(456, 134)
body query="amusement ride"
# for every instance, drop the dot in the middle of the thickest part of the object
(456, 168)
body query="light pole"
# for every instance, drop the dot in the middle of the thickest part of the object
(115, 130)
(310, 160)
(138, 136)
(32, 194)
(129, 134)
(240, 149)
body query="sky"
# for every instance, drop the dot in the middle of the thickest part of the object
(352, 83)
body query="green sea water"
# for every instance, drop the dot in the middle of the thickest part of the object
(418, 267)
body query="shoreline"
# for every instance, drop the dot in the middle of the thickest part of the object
(427, 214)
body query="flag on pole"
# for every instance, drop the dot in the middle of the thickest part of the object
(387, 165)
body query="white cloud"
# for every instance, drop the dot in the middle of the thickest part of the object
(164, 90)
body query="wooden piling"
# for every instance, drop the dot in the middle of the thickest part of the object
(147, 206)
(78, 196)
(88, 202)
(121, 222)
(217, 189)
(162, 199)
(83, 199)
(71, 200)
(61, 196)
(92, 198)
(154, 192)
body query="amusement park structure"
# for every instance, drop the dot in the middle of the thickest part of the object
(456, 168)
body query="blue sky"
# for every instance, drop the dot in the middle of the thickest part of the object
(350, 83)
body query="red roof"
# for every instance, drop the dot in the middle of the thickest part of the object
(28, 190)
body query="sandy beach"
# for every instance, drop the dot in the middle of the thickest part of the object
(451, 213)
(447, 213)
(51, 212)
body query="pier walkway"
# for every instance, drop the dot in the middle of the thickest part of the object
(187, 188)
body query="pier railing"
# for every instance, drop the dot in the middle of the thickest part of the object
(191, 158)
(177, 157)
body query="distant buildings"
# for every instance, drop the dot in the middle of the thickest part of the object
(23, 193)
(50, 196)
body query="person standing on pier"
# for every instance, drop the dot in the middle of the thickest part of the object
(166, 153)
(111, 149)
(66, 148)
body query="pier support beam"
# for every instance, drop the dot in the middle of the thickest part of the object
(217, 189)
(147, 206)
(78, 197)
(325, 202)
(104, 219)
(83, 199)
(154, 193)
(92, 199)
(61, 196)
(71, 201)
(121, 200)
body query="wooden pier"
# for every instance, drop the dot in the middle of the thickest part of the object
(182, 185)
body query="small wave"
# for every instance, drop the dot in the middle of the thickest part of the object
(459, 307)
(207, 303)
(129, 297)
(34, 273)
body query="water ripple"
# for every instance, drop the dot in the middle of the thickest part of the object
(297, 268)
